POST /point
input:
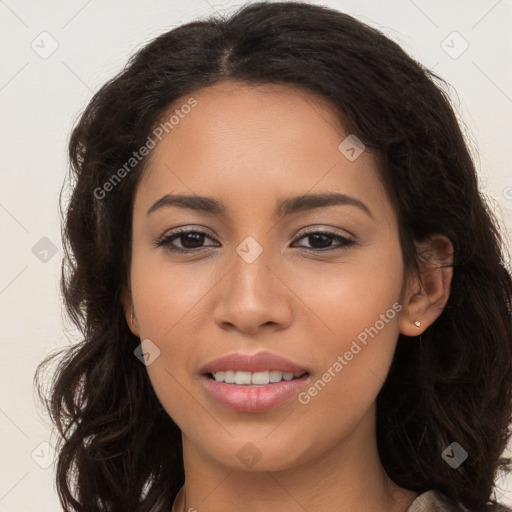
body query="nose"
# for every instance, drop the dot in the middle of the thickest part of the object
(253, 295)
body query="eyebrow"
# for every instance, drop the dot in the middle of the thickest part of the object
(284, 207)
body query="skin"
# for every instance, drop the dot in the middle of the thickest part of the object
(248, 147)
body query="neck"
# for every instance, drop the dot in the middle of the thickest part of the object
(347, 477)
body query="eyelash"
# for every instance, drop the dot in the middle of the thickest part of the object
(166, 240)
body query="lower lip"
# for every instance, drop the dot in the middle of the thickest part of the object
(244, 398)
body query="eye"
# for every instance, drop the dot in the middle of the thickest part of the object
(320, 241)
(190, 240)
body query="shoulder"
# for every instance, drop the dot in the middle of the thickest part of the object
(435, 501)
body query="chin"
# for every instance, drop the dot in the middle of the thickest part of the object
(255, 456)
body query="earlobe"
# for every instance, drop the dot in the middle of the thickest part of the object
(129, 312)
(427, 293)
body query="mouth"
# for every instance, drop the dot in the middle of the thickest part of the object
(253, 383)
(253, 392)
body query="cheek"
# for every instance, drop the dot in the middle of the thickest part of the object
(166, 295)
(348, 297)
(164, 301)
(355, 364)
(167, 301)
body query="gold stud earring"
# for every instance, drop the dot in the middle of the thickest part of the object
(417, 324)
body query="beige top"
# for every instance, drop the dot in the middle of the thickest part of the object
(429, 501)
(434, 501)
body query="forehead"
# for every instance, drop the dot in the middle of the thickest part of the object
(247, 142)
(250, 126)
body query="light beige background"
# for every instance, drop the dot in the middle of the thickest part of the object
(40, 97)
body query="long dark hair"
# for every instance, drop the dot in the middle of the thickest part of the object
(119, 450)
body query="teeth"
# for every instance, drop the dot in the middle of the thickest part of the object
(258, 378)
(255, 378)
(275, 376)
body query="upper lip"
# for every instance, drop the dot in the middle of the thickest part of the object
(260, 362)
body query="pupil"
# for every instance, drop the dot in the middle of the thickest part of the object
(316, 237)
(198, 237)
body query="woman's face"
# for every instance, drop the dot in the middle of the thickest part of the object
(260, 280)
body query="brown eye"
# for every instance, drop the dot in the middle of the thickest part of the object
(190, 241)
(321, 241)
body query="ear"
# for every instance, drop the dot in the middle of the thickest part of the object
(426, 295)
(127, 303)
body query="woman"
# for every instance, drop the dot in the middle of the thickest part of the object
(291, 292)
